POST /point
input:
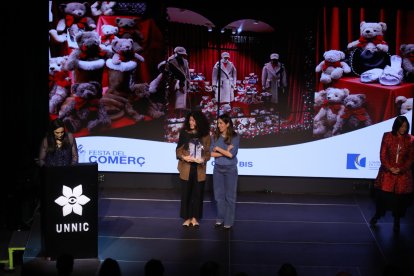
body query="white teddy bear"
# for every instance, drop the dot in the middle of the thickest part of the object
(330, 113)
(372, 37)
(75, 20)
(108, 33)
(103, 8)
(319, 125)
(405, 104)
(332, 67)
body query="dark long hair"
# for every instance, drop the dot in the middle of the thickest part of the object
(230, 130)
(398, 123)
(50, 136)
(202, 124)
(202, 128)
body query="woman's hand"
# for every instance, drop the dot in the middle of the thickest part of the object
(395, 170)
(187, 158)
(198, 161)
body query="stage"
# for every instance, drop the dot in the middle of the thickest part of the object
(320, 234)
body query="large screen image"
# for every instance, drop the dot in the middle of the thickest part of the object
(311, 98)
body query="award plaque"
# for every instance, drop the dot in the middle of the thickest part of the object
(196, 149)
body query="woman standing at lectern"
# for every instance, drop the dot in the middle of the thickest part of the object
(58, 147)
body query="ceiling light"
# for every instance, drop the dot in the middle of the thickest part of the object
(233, 31)
(255, 22)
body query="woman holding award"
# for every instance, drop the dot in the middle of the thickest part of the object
(394, 182)
(193, 152)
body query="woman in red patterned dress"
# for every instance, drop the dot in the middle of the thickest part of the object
(394, 182)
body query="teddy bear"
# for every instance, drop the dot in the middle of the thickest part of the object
(123, 50)
(142, 102)
(407, 53)
(88, 60)
(85, 109)
(330, 113)
(332, 67)
(355, 115)
(404, 104)
(128, 29)
(372, 37)
(108, 33)
(103, 8)
(319, 125)
(75, 21)
(137, 104)
(319, 101)
(120, 70)
(370, 50)
(59, 83)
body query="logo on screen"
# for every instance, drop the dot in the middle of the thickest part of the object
(354, 162)
(72, 200)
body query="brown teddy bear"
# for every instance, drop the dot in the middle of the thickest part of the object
(123, 49)
(137, 104)
(118, 97)
(355, 115)
(85, 108)
(88, 60)
(128, 29)
(407, 53)
(142, 103)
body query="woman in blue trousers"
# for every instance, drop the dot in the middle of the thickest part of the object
(224, 148)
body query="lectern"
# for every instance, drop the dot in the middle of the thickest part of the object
(69, 211)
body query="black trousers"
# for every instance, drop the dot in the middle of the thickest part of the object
(386, 201)
(192, 194)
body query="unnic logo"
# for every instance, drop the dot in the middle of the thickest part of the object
(353, 162)
(72, 200)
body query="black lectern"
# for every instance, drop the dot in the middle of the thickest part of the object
(69, 211)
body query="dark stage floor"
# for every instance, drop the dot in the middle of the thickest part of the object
(319, 234)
